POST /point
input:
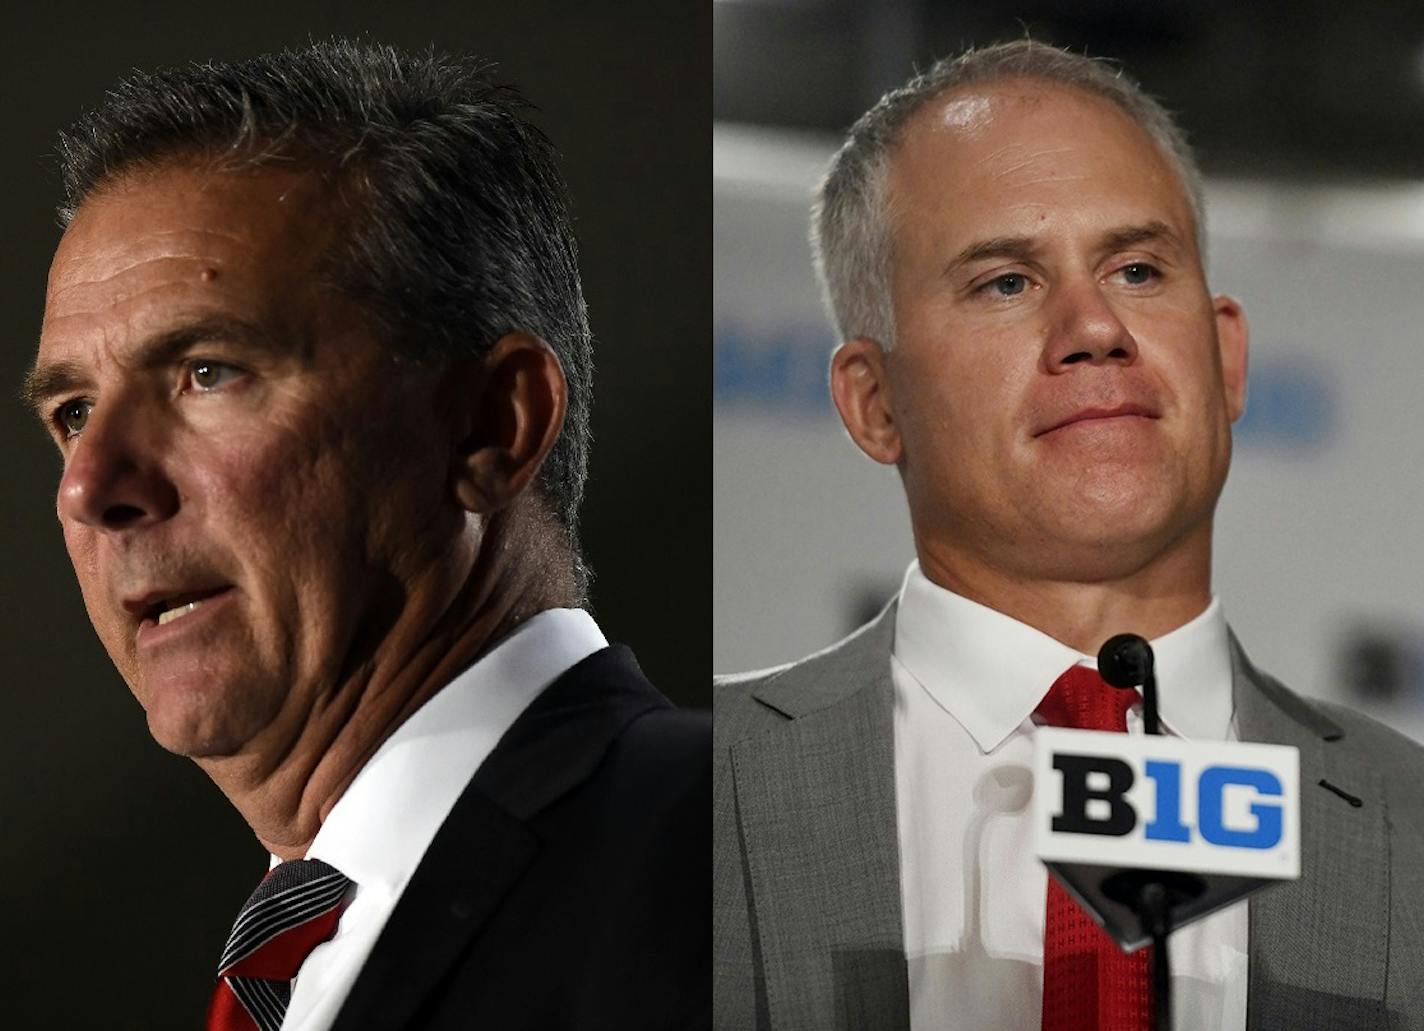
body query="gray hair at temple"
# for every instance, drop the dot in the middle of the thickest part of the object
(456, 214)
(851, 230)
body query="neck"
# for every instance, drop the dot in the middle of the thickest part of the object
(1085, 606)
(286, 784)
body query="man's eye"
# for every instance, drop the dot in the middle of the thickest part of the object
(1010, 284)
(72, 415)
(1138, 273)
(209, 375)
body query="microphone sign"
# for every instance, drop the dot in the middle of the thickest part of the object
(1162, 803)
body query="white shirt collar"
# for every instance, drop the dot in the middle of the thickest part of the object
(380, 828)
(989, 671)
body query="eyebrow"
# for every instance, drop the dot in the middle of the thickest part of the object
(48, 380)
(1022, 248)
(1131, 236)
(1014, 248)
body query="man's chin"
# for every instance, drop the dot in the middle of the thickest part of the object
(1111, 502)
(196, 741)
(202, 722)
(1115, 542)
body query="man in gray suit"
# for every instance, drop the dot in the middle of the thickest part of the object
(1011, 247)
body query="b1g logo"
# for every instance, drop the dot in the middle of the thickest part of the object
(1095, 801)
(1165, 803)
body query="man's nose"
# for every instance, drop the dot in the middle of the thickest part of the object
(1085, 330)
(114, 479)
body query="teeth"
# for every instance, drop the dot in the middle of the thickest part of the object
(178, 613)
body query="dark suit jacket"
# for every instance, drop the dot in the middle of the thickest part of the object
(570, 885)
(807, 923)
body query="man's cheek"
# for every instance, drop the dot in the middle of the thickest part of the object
(83, 555)
(257, 477)
(79, 542)
(115, 633)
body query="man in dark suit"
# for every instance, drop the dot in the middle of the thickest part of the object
(1011, 247)
(316, 357)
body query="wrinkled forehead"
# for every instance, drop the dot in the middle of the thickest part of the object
(150, 239)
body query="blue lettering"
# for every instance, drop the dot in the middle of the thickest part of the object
(1167, 823)
(1210, 790)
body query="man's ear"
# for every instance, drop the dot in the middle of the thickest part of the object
(1232, 337)
(509, 410)
(861, 390)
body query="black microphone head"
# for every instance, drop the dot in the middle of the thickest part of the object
(1125, 661)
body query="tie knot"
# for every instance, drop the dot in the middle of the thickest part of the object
(1083, 700)
(294, 909)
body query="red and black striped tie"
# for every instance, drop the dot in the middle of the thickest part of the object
(293, 910)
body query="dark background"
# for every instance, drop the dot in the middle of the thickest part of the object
(123, 866)
(1299, 90)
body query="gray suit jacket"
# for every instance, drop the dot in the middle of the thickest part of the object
(806, 905)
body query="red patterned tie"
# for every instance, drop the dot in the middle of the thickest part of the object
(293, 910)
(1089, 984)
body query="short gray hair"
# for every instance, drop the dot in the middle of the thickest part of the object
(850, 226)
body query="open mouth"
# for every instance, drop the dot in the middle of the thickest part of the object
(166, 610)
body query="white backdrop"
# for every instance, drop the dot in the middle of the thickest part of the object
(1318, 561)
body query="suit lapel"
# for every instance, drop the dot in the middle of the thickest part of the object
(815, 802)
(484, 845)
(477, 857)
(1318, 945)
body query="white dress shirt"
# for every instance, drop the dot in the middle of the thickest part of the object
(379, 829)
(967, 680)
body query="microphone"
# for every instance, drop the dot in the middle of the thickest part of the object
(1126, 661)
(1150, 833)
